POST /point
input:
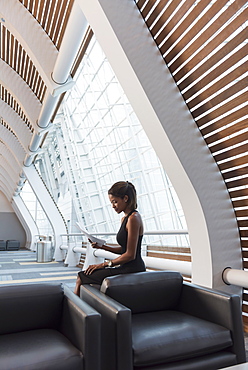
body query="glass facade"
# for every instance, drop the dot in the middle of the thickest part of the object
(97, 140)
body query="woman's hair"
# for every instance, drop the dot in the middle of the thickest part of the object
(122, 188)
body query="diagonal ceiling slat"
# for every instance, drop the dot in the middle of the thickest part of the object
(237, 194)
(232, 163)
(21, 64)
(210, 46)
(229, 142)
(193, 31)
(5, 96)
(156, 13)
(233, 76)
(65, 20)
(52, 15)
(234, 103)
(229, 47)
(230, 130)
(236, 183)
(235, 173)
(44, 17)
(220, 98)
(147, 8)
(233, 60)
(140, 3)
(234, 151)
(231, 118)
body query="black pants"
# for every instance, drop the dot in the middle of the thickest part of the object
(99, 275)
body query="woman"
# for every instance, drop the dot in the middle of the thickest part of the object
(122, 196)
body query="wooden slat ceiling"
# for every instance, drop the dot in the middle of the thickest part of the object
(12, 103)
(13, 54)
(204, 44)
(52, 15)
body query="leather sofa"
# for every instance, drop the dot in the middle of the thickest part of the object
(154, 321)
(46, 326)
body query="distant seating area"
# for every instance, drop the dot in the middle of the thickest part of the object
(9, 245)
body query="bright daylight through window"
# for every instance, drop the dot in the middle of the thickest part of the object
(97, 140)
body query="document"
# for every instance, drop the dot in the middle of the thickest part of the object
(92, 238)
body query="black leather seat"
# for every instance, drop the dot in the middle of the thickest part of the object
(46, 326)
(152, 320)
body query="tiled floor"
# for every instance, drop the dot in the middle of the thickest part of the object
(20, 267)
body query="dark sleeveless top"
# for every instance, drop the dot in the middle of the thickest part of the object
(137, 264)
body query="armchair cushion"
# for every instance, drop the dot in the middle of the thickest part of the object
(145, 292)
(46, 326)
(18, 302)
(172, 336)
(39, 349)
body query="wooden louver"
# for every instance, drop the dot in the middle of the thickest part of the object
(204, 44)
(12, 53)
(52, 15)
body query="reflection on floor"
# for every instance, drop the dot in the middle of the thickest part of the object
(20, 267)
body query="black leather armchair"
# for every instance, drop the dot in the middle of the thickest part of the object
(46, 326)
(154, 321)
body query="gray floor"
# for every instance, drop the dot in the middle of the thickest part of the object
(21, 267)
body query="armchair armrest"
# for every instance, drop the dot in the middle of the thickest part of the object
(81, 324)
(218, 307)
(116, 337)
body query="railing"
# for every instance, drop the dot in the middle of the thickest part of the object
(97, 255)
(230, 276)
(235, 277)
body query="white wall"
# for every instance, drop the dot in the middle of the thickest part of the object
(10, 226)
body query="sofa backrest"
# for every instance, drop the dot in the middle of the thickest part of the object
(29, 307)
(145, 291)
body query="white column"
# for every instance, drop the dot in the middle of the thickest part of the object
(48, 206)
(27, 222)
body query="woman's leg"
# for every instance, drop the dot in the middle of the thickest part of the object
(77, 286)
(95, 278)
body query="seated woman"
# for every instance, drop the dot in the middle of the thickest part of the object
(122, 196)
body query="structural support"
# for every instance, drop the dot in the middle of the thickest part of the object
(61, 79)
(27, 222)
(156, 100)
(48, 206)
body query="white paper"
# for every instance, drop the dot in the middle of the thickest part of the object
(91, 237)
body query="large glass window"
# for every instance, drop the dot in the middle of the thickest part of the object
(98, 140)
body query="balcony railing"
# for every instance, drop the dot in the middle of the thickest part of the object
(179, 258)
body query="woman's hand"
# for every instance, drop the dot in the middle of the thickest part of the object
(92, 268)
(95, 245)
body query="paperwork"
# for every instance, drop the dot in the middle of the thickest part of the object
(91, 238)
